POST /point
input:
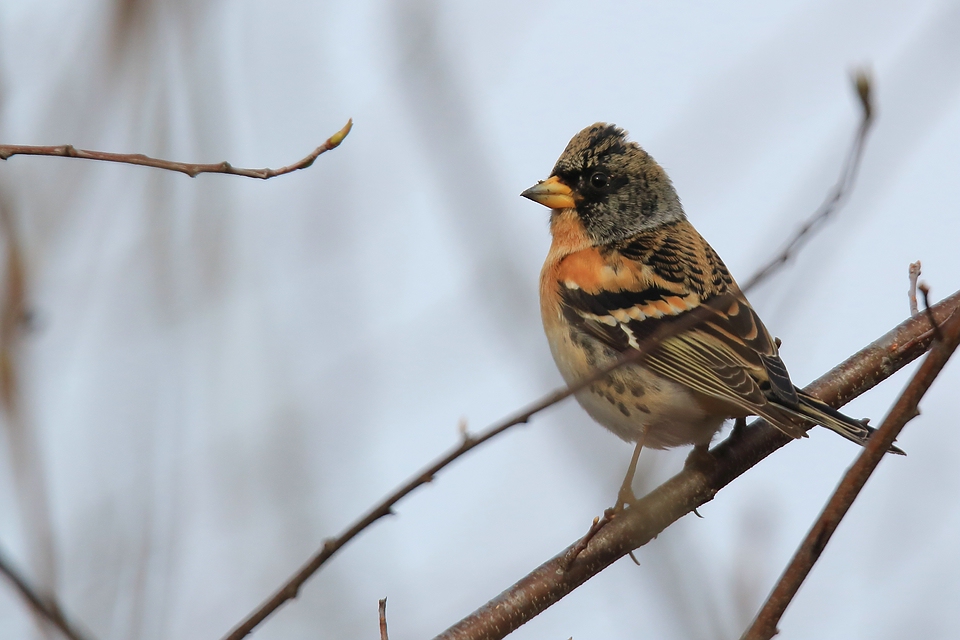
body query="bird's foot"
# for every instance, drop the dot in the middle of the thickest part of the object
(700, 459)
(625, 498)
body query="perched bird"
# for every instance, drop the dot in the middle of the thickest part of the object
(625, 262)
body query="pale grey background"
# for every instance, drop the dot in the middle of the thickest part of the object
(224, 371)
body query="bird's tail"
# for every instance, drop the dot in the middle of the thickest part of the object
(825, 415)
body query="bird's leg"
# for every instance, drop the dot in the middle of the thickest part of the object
(625, 496)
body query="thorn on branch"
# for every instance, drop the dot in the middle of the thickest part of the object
(925, 290)
(578, 548)
(914, 273)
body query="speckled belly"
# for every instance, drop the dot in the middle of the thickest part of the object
(634, 400)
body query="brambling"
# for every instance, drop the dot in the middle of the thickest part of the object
(623, 263)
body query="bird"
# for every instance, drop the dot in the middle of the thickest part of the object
(624, 264)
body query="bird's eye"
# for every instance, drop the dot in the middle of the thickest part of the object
(599, 180)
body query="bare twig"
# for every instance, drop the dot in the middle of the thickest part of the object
(383, 619)
(905, 409)
(290, 589)
(43, 607)
(692, 487)
(914, 272)
(192, 170)
(835, 199)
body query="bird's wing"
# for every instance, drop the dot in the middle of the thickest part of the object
(728, 355)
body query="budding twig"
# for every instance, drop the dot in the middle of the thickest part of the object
(914, 273)
(191, 169)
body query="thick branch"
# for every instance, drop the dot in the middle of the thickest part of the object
(43, 607)
(692, 487)
(905, 409)
(192, 170)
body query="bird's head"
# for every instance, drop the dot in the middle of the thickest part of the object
(614, 186)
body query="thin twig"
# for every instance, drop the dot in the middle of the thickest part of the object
(914, 273)
(905, 409)
(383, 619)
(836, 198)
(45, 608)
(692, 487)
(192, 170)
(292, 586)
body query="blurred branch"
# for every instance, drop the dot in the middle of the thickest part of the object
(25, 459)
(192, 170)
(45, 608)
(13, 312)
(914, 272)
(835, 199)
(905, 409)
(290, 589)
(694, 486)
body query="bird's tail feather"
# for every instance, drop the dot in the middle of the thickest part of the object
(823, 414)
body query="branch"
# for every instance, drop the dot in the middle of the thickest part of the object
(383, 619)
(192, 170)
(914, 273)
(692, 487)
(45, 608)
(385, 507)
(835, 199)
(905, 409)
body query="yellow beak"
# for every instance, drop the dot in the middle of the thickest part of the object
(551, 193)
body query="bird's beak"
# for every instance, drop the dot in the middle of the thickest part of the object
(551, 193)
